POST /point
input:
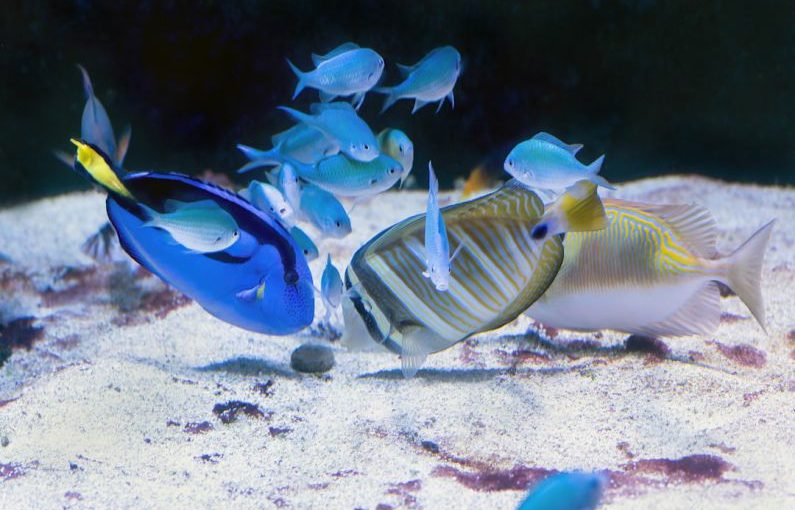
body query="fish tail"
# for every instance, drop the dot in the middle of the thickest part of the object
(593, 173)
(92, 163)
(391, 96)
(745, 271)
(301, 78)
(270, 157)
(296, 115)
(87, 87)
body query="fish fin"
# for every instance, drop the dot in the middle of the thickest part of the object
(692, 223)
(296, 115)
(577, 210)
(97, 166)
(456, 252)
(272, 156)
(326, 97)
(301, 78)
(87, 87)
(413, 353)
(554, 140)
(595, 166)
(391, 96)
(66, 158)
(745, 271)
(123, 145)
(358, 100)
(405, 70)
(600, 181)
(439, 106)
(699, 315)
(418, 103)
(451, 98)
(339, 50)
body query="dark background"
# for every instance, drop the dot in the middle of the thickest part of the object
(661, 87)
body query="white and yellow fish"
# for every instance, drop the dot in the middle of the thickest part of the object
(653, 271)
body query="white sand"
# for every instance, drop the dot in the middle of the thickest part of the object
(100, 410)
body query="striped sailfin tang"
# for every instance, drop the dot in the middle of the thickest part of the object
(498, 273)
(639, 247)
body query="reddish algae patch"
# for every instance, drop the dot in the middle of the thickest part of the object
(689, 469)
(742, 354)
(518, 478)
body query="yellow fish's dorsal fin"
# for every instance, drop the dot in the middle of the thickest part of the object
(580, 209)
(693, 224)
(98, 167)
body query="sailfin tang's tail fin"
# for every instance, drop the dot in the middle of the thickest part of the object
(745, 271)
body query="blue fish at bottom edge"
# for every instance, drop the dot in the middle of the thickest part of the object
(566, 491)
(261, 283)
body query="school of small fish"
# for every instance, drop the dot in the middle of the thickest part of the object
(572, 261)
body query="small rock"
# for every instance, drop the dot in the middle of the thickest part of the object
(312, 358)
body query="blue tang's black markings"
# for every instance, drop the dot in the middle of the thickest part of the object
(154, 189)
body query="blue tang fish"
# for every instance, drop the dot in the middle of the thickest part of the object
(431, 79)
(340, 123)
(260, 283)
(566, 491)
(346, 70)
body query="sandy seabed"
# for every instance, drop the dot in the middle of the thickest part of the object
(121, 393)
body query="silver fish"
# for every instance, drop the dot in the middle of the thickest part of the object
(340, 123)
(431, 79)
(305, 243)
(202, 226)
(343, 72)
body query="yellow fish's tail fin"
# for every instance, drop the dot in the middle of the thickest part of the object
(93, 163)
(577, 210)
(745, 271)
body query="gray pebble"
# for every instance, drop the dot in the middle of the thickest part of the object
(312, 358)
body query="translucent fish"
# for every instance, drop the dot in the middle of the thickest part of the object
(339, 122)
(652, 272)
(566, 491)
(437, 246)
(300, 143)
(498, 274)
(261, 282)
(429, 80)
(202, 226)
(269, 198)
(396, 144)
(548, 164)
(345, 71)
(330, 288)
(306, 244)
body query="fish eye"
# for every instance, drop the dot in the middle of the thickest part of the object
(539, 232)
(338, 223)
(235, 234)
(366, 147)
(400, 147)
(290, 277)
(373, 181)
(393, 171)
(219, 238)
(510, 163)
